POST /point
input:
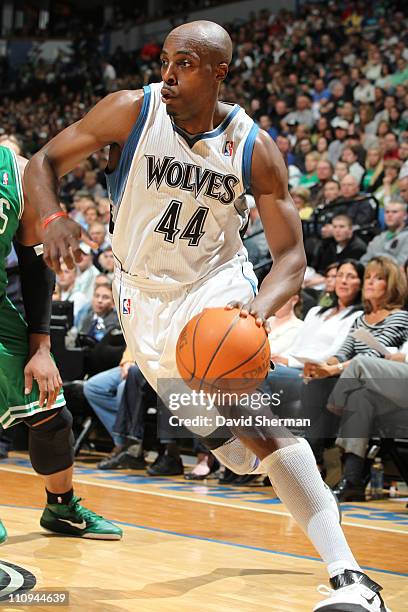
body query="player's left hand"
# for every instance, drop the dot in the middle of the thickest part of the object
(42, 368)
(251, 308)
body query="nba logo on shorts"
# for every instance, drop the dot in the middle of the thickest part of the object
(126, 306)
(229, 148)
(5, 178)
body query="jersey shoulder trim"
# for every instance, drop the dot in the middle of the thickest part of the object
(247, 156)
(18, 183)
(117, 179)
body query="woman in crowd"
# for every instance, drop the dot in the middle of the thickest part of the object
(350, 157)
(374, 172)
(328, 296)
(389, 187)
(309, 179)
(340, 171)
(285, 325)
(384, 296)
(324, 327)
(301, 199)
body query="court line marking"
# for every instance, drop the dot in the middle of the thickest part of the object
(225, 543)
(210, 502)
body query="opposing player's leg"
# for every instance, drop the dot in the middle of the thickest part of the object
(51, 447)
(50, 439)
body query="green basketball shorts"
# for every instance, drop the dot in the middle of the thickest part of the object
(14, 404)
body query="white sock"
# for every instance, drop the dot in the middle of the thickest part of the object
(296, 480)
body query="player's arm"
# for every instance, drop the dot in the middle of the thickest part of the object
(282, 227)
(108, 123)
(37, 284)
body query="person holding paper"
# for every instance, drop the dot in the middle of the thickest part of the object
(384, 296)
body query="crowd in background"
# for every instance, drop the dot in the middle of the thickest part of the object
(330, 86)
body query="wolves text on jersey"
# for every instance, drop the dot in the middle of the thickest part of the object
(189, 177)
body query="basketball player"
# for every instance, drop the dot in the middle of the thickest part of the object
(30, 384)
(179, 164)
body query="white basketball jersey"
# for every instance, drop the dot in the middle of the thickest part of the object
(179, 201)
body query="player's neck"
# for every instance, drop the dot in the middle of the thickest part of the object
(203, 121)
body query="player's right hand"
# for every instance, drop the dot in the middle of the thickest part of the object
(61, 240)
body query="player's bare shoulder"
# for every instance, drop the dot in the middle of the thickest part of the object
(115, 115)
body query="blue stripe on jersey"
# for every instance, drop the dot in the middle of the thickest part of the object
(247, 156)
(191, 140)
(116, 180)
(250, 280)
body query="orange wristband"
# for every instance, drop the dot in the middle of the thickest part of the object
(55, 215)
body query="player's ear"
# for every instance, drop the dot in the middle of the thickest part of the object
(221, 71)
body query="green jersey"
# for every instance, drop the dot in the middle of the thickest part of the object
(11, 207)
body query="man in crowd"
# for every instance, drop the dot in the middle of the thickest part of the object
(393, 242)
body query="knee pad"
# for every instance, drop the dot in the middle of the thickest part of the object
(51, 444)
(237, 457)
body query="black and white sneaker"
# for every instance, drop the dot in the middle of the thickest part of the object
(351, 591)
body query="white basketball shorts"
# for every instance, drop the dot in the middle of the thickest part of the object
(153, 315)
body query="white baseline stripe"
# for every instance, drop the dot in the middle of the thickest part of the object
(196, 500)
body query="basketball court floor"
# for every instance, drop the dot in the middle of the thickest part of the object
(186, 547)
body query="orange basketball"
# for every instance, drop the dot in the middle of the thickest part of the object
(218, 349)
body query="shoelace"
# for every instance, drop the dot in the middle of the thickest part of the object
(83, 512)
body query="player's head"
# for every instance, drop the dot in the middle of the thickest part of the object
(195, 59)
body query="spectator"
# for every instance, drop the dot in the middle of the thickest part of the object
(104, 211)
(104, 392)
(93, 188)
(303, 114)
(101, 316)
(331, 191)
(97, 232)
(389, 189)
(403, 188)
(342, 245)
(350, 157)
(310, 179)
(327, 296)
(403, 155)
(384, 295)
(325, 328)
(390, 146)
(336, 146)
(393, 242)
(90, 215)
(356, 207)
(86, 273)
(106, 262)
(108, 76)
(285, 325)
(301, 199)
(340, 170)
(368, 391)
(265, 123)
(66, 281)
(374, 173)
(324, 173)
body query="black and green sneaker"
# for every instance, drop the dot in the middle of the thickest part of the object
(3, 533)
(74, 520)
